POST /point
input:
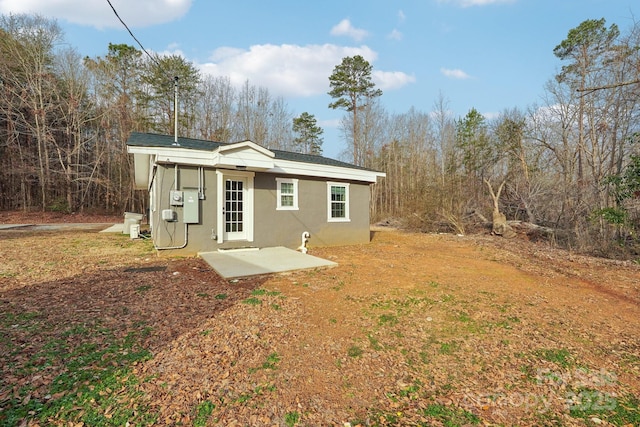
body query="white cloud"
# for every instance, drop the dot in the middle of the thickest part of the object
(329, 123)
(490, 115)
(401, 16)
(98, 13)
(292, 70)
(222, 53)
(469, 3)
(395, 35)
(344, 28)
(171, 50)
(389, 80)
(173, 46)
(552, 113)
(454, 73)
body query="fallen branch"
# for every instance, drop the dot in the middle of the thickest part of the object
(531, 228)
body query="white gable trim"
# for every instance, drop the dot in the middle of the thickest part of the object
(246, 144)
(243, 155)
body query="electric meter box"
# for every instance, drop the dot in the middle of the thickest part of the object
(176, 198)
(191, 211)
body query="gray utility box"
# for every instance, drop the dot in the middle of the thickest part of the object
(191, 210)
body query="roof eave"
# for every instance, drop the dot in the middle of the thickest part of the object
(289, 167)
(259, 163)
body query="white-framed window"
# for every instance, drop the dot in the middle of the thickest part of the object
(337, 202)
(287, 194)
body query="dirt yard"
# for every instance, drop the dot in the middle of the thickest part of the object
(411, 329)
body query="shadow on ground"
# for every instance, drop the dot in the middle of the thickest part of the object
(169, 298)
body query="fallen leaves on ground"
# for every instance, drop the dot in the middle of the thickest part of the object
(404, 327)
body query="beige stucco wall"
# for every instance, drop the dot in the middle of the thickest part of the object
(272, 227)
(171, 234)
(284, 227)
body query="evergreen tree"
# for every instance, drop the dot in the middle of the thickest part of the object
(308, 139)
(158, 90)
(351, 86)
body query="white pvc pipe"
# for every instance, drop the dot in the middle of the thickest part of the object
(175, 107)
(305, 238)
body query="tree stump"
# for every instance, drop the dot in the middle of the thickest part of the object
(500, 226)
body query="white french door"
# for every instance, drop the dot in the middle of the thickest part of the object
(234, 208)
(235, 201)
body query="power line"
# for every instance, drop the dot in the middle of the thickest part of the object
(175, 79)
(132, 35)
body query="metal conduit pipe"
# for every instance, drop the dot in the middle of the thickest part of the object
(186, 226)
(186, 240)
(200, 183)
(175, 176)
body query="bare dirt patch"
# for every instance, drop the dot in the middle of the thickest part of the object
(412, 329)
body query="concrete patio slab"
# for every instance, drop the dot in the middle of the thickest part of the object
(12, 226)
(239, 263)
(115, 228)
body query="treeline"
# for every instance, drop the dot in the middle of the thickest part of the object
(64, 119)
(570, 164)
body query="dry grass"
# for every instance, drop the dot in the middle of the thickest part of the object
(411, 329)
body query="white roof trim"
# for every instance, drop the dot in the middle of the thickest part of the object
(183, 156)
(246, 156)
(290, 167)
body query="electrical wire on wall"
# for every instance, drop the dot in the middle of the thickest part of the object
(170, 233)
(170, 229)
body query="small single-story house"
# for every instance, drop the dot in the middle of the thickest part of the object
(205, 196)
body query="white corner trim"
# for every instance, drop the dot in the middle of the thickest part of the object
(219, 204)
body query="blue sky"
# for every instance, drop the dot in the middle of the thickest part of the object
(491, 55)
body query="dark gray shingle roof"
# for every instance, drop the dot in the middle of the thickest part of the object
(138, 139)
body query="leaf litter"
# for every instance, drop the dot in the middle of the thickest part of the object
(497, 331)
